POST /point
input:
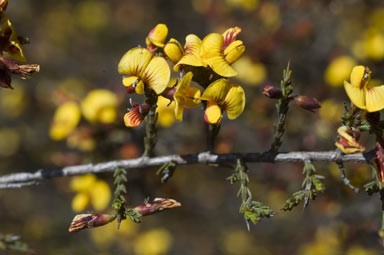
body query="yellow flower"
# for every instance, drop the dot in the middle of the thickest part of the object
(100, 106)
(185, 96)
(156, 241)
(189, 55)
(136, 114)
(165, 109)
(157, 36)
(144, 70)
(13, 50)
(220, 51)
(90, 191)
(221, 95)
(65, 120)
(338, 70)
(364, 95)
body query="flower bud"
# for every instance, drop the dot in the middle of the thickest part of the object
(157, 35)
(157, 205)
(348, 141)
(173, 50)
(25, 71)
(272, 92)
(90, 220)
(307, 103)
(230, 35)
(379, 161)
(135, 116)
(234, 51)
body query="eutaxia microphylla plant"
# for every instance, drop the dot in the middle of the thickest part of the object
(11, 52)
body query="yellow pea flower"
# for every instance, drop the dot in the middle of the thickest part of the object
(143, 70)
(65, 120)
(189, 55)
(13, 50)
(220, 51)
(222, 95)
(363, 94)
(338, 70)
(165, 110)
(348, 141)
(185, 96)
(157, 36)
(100, 106)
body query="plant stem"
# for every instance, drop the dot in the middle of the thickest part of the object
(282, 109)
(150, 125)
(212, 132)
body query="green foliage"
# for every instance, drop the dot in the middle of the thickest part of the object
(311, 187)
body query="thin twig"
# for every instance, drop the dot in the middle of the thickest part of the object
(202, 158)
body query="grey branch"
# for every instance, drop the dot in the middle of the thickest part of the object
(18, 180)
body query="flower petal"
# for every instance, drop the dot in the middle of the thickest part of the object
(192, 52)
(192, 98)
(158, 35)
(374, 98)
(157, 74)
(180, 94)
(134, 61)
(360, 76)
(213, 114)
(230, 35)
(130, 81)
(234, 102)
(173, 50)
(234, 51)
(216, 91)
(133, 118)
(356, 95)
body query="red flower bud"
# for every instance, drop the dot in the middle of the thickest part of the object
(307, 103)
(90, 220)
(272, 92)
(157, 205)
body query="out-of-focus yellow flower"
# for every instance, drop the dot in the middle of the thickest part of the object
(189, 55)
(220, 51)
(327, 241)
(9, 142)
(222, 95)
(86, 11)
(157, 36)
(339, 70)
(12, 103)
(100, 106)
(13, 50)
(90, 191)
(144, 70)
(247, 5)
(370, 46)
(252, 73)
(185, 96)
(65, 120)
(362, 93)
(165, 110)
(358, 250)
(156, 241)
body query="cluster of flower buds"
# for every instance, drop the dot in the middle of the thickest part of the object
(305, 102)
(206, 62)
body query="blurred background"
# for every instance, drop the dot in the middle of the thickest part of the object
(78, 45)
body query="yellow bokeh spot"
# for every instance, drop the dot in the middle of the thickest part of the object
(339, 70)
(247, 5)
(331, 110)
(249, 72)
(80, 201)
(12, 103)
(156, 241)
(100, 195)
(100, 106)
(92, 15)
(82, 183)
(65, 120)
(9, 142)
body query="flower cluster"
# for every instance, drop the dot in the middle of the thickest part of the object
(204, 62)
